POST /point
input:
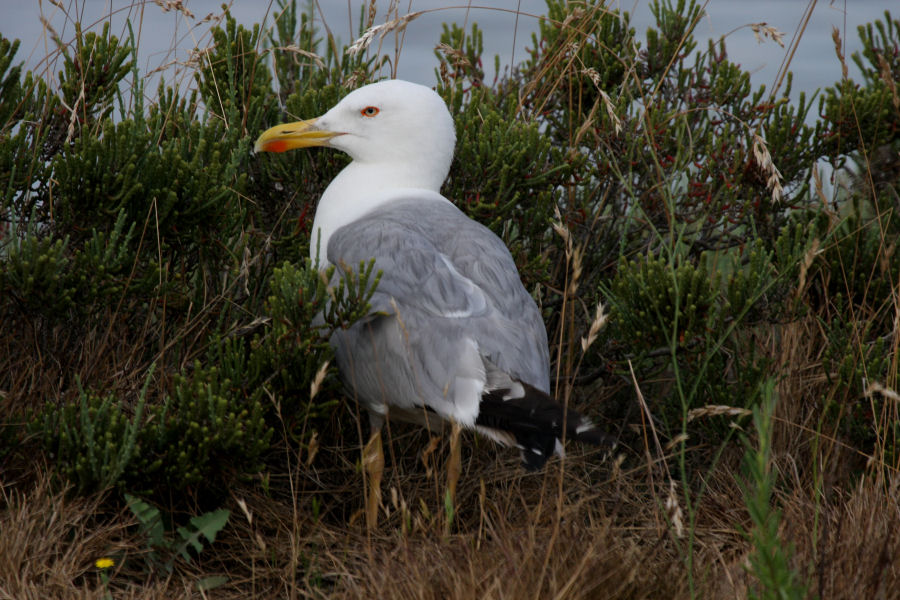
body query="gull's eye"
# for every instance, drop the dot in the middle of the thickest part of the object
(369, 111)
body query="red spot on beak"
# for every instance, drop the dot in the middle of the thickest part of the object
(276, 146)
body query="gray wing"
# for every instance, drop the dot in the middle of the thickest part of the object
(446, 281)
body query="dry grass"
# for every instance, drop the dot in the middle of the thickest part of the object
(49, 541)
(607, 536)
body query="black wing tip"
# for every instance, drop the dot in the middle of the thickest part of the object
(536, 448)
(588, 433)
(533, 462)
(536, 422)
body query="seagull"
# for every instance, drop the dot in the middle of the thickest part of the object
(452, 336)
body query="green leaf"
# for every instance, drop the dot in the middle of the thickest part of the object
(207, 525)
(150, 519)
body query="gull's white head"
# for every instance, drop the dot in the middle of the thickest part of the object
(399, 127)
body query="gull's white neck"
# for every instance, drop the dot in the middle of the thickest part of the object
(360, 188)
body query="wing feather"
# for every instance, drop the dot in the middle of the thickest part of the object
(449, 292)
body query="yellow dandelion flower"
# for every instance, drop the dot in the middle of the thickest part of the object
(104, 563)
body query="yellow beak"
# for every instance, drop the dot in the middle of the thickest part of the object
(301, 134)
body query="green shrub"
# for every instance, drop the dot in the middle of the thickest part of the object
(691, 330)
(95, 440)
(36, 275)
(203, 432)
